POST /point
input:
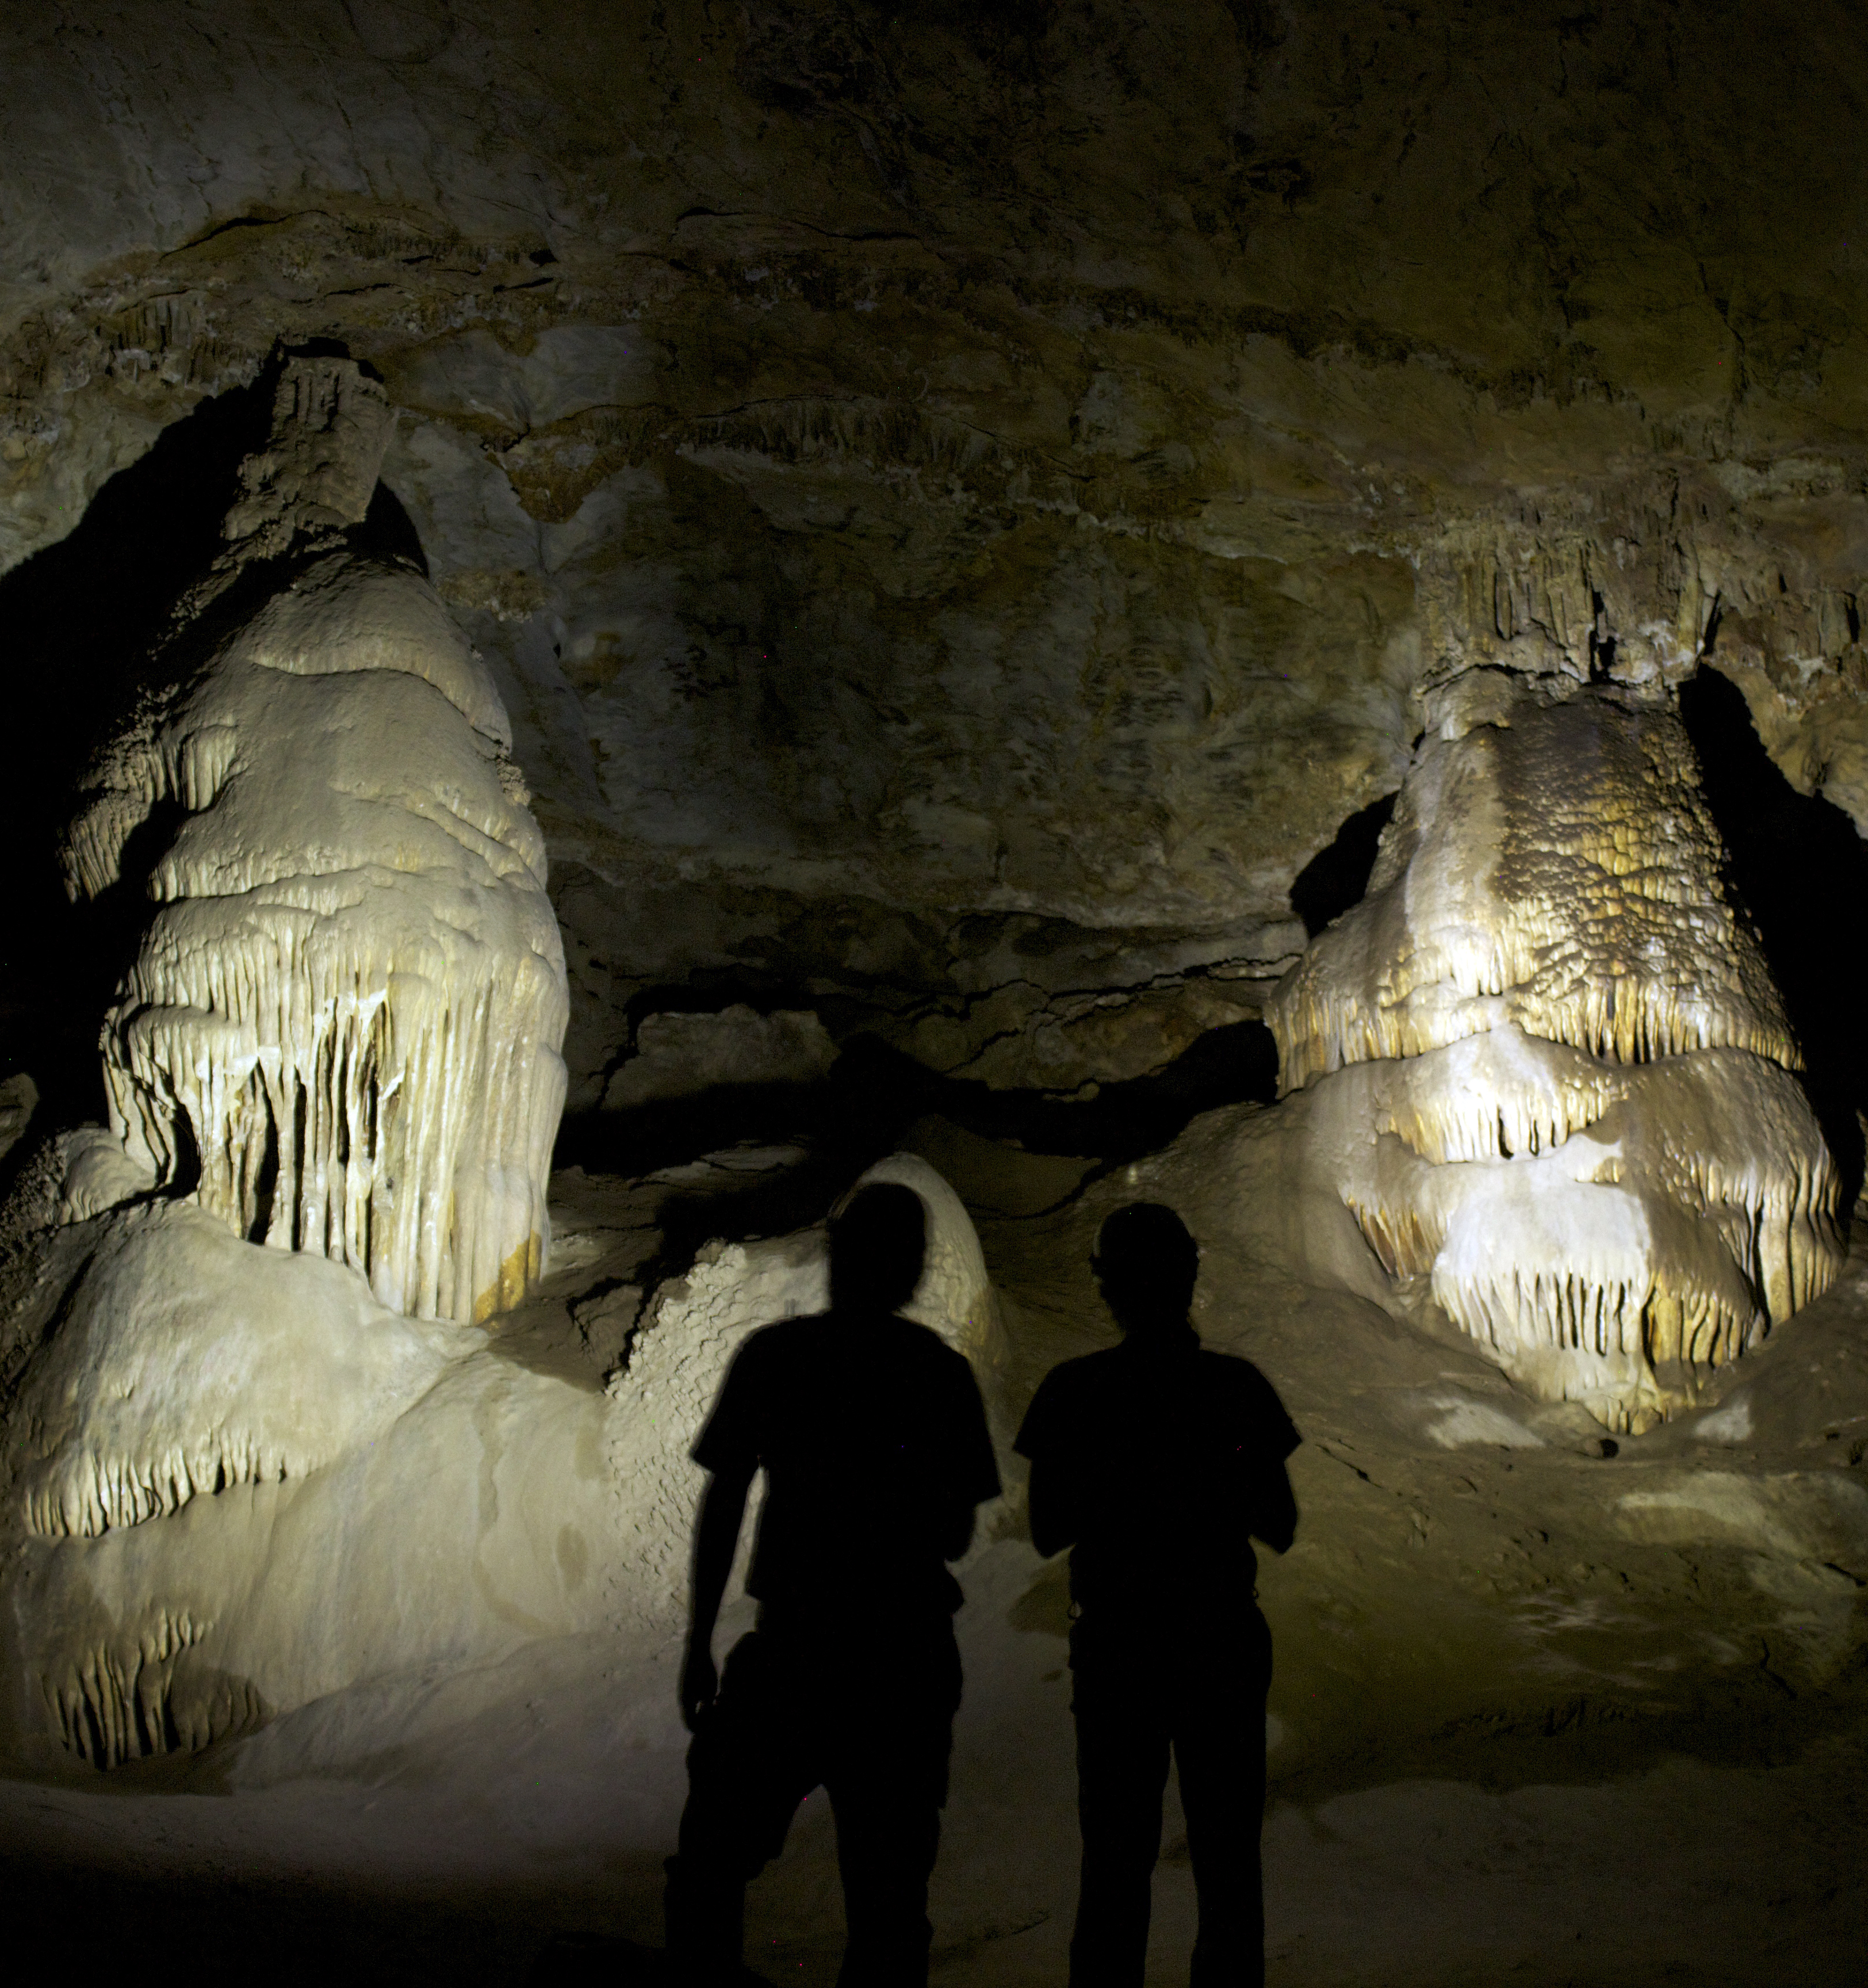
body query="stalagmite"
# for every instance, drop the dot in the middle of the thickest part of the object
(734, 1287)
(1551, 1075)
(341, 1031)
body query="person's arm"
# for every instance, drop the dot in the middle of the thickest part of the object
(1053, 1507)
(1275, 1507)
(972, 1471)
(957, 1530)
(723, 1508)
(1053, 1503)
(1268, 1437)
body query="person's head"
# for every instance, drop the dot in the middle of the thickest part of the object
(878, 1244)
(1146, 1263)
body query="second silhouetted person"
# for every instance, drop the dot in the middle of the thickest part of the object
(1158, 1461)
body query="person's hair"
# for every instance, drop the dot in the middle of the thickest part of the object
(878, 1245)
(1147, 1265)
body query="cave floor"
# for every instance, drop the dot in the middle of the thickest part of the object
(1541, 1715)
(523, 1843)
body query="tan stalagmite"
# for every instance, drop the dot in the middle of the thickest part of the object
(1551, 1076)
(343, 1024)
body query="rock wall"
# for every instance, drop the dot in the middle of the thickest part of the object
(957, 500)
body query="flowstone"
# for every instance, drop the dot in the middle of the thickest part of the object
(1549, 1073)
(235, 1485)
(341, 1030)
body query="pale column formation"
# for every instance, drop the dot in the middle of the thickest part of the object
(342, 1027)
(734, 1287)
(1550, 1072)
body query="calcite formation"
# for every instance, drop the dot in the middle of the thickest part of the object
(1549, 1066)
(734, 1287)
(341, 1030)
(695, 1323)
(188, 1363)
(235, 1484)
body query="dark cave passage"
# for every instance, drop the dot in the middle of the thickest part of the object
(77, 647)
(1799, 871)
(1337, 878)
(874, 1092)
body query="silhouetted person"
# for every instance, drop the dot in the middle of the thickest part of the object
(873, 1442)
(1158, 1460)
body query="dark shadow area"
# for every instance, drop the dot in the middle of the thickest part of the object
(82, 617)
(389, 532)
(874, 1092)
(1799, 871)
(711, 991)
(1337, 878)
(672, 1130)
(288, 1932)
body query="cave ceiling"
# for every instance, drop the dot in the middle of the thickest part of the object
(961, 501)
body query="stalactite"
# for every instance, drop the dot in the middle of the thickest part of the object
(117, 1703)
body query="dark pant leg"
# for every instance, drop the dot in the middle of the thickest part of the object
(1219, 1750)
(1122, 1749)
(887, 1783)
(750, 1764)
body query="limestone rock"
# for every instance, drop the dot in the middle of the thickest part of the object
(677, 1055)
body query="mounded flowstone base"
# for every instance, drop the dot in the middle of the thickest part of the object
(1512, 1670)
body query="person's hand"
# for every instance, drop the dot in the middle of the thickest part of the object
(699, 1685)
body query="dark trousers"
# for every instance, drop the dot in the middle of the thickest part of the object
(870, 1717)
(1200, 1694)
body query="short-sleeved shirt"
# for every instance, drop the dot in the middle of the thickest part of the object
(1162, 1459)
(871, 1433)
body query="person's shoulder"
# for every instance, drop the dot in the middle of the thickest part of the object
(1229, 1370)
(1233, 1379)
(880, 1337)
(924, 1345)
(1086, 1378)
(1087, 1370)
(782, 1339)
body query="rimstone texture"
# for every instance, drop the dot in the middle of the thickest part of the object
(957, 501)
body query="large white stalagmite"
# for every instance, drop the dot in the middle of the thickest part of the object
(1550, 1074)
(342, 1027)
(236, 1478)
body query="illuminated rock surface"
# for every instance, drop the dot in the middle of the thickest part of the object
(1552, 1078)
(341, 1030)
(973, 515)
